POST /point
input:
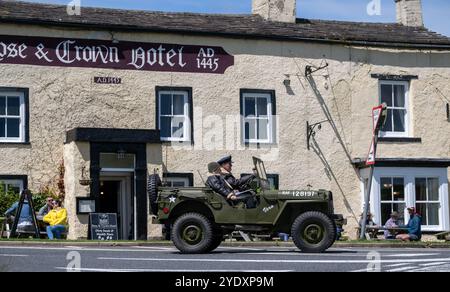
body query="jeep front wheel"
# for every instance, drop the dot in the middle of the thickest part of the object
(192, 233)
(313, 232)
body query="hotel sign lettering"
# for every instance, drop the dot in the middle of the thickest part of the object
(106, 54)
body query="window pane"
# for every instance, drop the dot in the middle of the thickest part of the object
(2, 105)
(400, 208)
(250, 129)
(262, 129)
(13, 189)
(421, 189)
(422, 210)
(399, 95)
(178, 127)
(262, 107)
(178, 184)
(13, 128)
(249, 106)
(386, 94)
(433, 189)
(117, 160)
(386, 189)
(178, 104)
(399, 189)
(433, 214)
(165, 127)
(166, 104)
(386, 209)
(2, 127)
(13, 108)
(399, 120)
(388, 125)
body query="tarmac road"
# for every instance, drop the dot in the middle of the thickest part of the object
(224, 259)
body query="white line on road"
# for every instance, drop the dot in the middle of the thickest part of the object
(432, 264)
(277, 261)
(410, 255)
(64, 248)
(401, 269)
(396, 265)
(13, 255)
(169, 270)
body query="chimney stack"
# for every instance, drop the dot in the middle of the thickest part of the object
(276, 10)
(409, 12)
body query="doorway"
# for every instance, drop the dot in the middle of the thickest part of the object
(117, 196)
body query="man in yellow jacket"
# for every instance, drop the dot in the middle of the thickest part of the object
(57, 218)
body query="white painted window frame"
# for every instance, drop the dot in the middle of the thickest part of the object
(409, 174)
(269, 118)
(8, 182)
(173, 179)
(406, 108)
(22, 117)
(187, 123)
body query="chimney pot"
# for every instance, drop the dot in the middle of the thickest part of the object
(276, 10)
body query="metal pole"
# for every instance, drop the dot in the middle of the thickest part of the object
(367, 195)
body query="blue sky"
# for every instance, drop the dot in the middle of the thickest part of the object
(436, 12)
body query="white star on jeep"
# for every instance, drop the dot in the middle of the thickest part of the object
(172, 199)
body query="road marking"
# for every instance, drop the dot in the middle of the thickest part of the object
(411, 255)
(277, 261)
(13, 255)
(401, 269)
(64, 248)
(170, 270)
(396, 265)
(432, 264)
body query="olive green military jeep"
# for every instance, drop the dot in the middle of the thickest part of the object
(200, 218)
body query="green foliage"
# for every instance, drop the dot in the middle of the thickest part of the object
(10, 196)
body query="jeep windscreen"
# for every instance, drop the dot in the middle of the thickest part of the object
(261, 173)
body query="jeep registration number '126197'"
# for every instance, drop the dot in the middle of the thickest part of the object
(300, 194)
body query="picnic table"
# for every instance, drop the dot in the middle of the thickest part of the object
(371, 231)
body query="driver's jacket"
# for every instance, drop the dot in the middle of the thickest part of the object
(218, 184)
(237, 184)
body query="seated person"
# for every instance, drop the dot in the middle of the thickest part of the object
(226, 165)
(57, 220)
(369, 223)
(391, 223)
(46, 208)
(218, 183)
(414, 227)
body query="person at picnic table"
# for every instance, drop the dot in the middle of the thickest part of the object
(47, 207)
(369, 223)
(57, 220)
(414, 227)
(391, 223)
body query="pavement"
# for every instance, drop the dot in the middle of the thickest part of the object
(165, 258)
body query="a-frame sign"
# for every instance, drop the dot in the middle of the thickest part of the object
(25, 195)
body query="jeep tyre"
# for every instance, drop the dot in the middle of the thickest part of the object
(152, 189)
(193, 233)
(313, 232)
(217, 240)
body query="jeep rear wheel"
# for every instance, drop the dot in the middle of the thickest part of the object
(193, 233)
(313, 232)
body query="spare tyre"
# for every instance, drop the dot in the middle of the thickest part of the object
(153, 182)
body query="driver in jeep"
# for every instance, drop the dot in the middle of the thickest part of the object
(217, 181)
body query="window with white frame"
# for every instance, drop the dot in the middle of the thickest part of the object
(14, 186)
(392, 197)
(174, 115)
(178, 180)
(395, 95)
(257, 110)
(395, 189)
(12, 116)
(427, 199)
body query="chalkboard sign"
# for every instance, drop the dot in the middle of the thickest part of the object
(104, 226)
